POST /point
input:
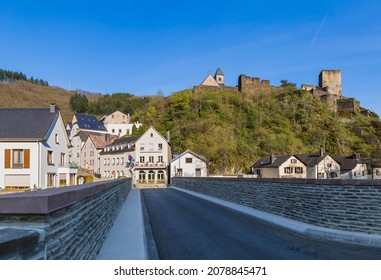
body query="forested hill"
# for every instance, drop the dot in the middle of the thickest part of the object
(232, 129)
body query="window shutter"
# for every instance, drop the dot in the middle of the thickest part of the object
(27, 158)
(7, 163)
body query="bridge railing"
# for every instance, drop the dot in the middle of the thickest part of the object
(61, 223)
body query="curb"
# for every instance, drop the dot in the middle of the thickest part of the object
(357, 238)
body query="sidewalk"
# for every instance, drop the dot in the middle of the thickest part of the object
(126, 240)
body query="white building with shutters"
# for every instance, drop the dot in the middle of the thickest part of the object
(34, 149)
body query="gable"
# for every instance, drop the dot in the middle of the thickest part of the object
(210, 81)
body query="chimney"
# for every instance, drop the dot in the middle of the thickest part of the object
(169, 136)
(321, 151)
(272, 159)
(356, 156)
(53, 108)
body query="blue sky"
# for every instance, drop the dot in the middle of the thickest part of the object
(142, 47)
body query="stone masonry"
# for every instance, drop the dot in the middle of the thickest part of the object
(351, 205)
(68, 223)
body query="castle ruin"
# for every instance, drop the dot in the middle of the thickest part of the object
(328, 88)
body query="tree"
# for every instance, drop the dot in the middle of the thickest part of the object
(79, 103)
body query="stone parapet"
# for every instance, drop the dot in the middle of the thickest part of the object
(350, 205)
(62, 223)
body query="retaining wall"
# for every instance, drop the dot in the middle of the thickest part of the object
(61, 223)
(352, 205)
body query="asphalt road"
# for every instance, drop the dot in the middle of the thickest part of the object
(185, 227)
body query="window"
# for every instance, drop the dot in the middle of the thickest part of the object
(120, 131)
(18, 159)
(62, 159)
(320, 175)
(113, 161)
(56, 138)
(151, 159)
(121, 161)
(333, 175)
(151, 135)
(160, 176)
(127, 131)
(294, 161)
(299, 170)
(91, 153)
(179, 172)
(198, 172)
(150, 146)
(50, 157)
(151, 176)
(160, 159)
(141, 146)
(142, 176)
(112, 130)
(188, 160)
(288, 170)
(142, 159)
(329, 165)
(112, 116)
(160, 146)
(51, 179)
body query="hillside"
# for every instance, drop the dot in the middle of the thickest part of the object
(233, 129)
(22, 94)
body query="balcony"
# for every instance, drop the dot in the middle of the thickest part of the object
(150, 165)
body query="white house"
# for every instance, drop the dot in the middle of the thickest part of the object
(352, 167)
(189, 164)
(116, 158)
(81, 127)
(320, 165)
(119, 124)
(282, 166)
(145, 158)
(152, 158)
(34, 149)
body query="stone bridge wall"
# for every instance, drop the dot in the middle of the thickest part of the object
(61, 223)
(352, 205)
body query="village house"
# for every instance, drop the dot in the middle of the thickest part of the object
(90, 153)
(282, 166)
(119, 124)
(320, 165)
(82, 126)
(352, 167)
(188, 164)
(152, 159)
(116, 158)
(145, 158)
(34, 148)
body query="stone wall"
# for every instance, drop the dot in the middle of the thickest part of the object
(68, 223)
(251, 85)
(352, 205)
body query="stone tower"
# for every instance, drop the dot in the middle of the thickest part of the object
(330, 81)
(219, 77)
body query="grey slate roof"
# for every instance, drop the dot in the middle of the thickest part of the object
(219, 72)
(310, 159)
(265, 162)
(25, 123)
(121, 141)
(89, 122)
(349, 162)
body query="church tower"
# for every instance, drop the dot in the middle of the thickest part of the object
(219, 77)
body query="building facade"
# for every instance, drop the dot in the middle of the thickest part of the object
(35, 149)
(152, 159)
(189, 164)
(283, 166)
(119, 124)
(90, 153)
